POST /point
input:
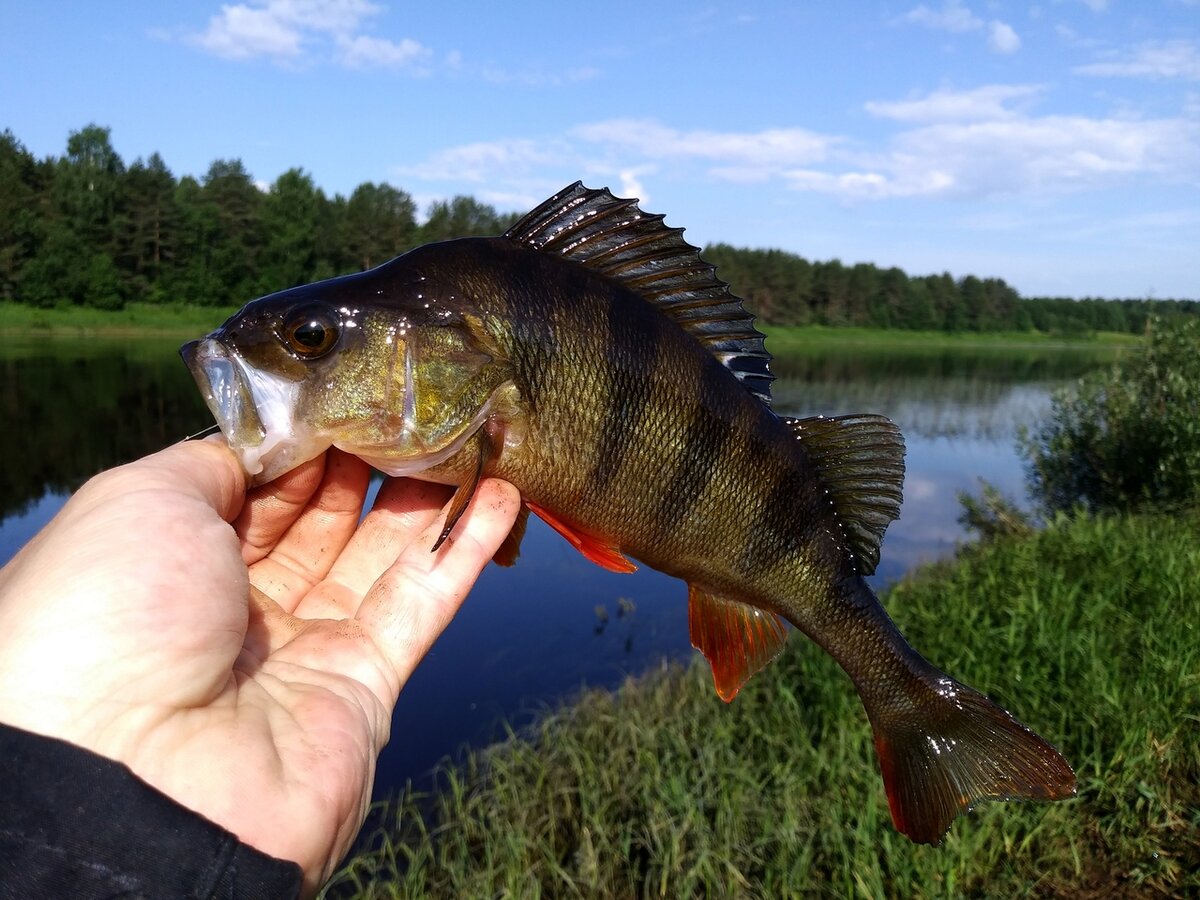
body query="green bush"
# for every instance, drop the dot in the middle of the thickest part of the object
(1128, 437)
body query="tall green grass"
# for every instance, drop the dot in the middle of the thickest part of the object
(798, 339)
(135, 319)
(1086, 630)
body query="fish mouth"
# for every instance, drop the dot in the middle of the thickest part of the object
(254, 410)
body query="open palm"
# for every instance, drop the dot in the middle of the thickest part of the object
(248, 672)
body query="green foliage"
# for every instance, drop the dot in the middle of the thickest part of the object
(992, 515)
(661, 790)
(1125, 437)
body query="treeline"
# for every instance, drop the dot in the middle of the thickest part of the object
(86, 229)
(785, 289)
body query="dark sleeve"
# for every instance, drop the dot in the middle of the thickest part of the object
(75, 824)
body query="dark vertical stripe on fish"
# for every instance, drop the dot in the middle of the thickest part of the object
(704, 445)
(630, 355)
(773, 535)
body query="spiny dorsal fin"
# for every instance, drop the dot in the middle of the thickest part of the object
(861, 460)
(616, 238)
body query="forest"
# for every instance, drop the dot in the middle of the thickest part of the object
(85, 229)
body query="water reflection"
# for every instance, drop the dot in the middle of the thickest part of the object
(529, 635)
(74, 407)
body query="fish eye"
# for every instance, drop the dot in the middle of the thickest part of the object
(310, 332)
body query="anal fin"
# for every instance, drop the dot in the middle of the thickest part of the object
(596, 549)
(737, 639)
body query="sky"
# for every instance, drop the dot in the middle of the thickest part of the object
(1054, 144)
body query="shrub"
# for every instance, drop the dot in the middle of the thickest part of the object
(1128, 437)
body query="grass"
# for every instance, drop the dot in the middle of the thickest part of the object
(786, 340)
(1087, 630)
(177, 319)
(136, 319)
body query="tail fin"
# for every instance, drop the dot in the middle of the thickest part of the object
(954, 747)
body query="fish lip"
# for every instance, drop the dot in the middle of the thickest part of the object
(226, 392)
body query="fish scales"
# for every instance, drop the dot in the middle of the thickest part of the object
(590, 357)
(630, 393)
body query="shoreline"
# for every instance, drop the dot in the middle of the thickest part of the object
(151, 321)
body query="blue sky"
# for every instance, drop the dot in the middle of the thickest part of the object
(1054, 144)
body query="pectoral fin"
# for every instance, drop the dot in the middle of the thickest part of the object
(462, 496)
(735, 638)
(596, 549)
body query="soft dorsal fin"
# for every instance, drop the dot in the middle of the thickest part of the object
(616, 238)
(861, 461)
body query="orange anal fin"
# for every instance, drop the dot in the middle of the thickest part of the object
(462, 496)
(510, 549)
(737, 639)
(596, 549)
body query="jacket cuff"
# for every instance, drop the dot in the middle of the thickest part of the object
(77, 824)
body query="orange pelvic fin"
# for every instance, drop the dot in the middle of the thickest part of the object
(510, 549)
(735, 638)
(954, 749)
(600, 552)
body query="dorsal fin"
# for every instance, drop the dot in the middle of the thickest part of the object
(861, 461)
(616, 238)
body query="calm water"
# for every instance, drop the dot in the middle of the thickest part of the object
(553, 623)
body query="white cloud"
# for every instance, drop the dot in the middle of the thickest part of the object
(984, 142)
(771, 148)
(1002, 38)
(486, 161)
(956, 18)
(952, 17)
(243, 32)
(362, 51)
(1154, 59)
(1017, 155)
(631, 182)
(988, 102)
(285, 31)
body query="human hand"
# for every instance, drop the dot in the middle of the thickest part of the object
(249, 672)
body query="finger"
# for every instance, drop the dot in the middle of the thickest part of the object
(403, 510)
(272, 508)
(203, 470)
(411, 604)
(304, 554)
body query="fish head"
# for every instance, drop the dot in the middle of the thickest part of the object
(372, 366)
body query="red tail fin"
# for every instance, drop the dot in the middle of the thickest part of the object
(954, 747)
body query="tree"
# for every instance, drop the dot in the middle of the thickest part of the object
(1126, 437)
(22, 193)
(149, 244)
(380, 223)
(235, 204)
(290, 216)
(462, 217)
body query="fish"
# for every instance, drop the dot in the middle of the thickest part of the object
(593, 359)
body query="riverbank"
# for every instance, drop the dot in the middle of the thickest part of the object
(662, 790)
(811, 338)
(135, 320)
(153, 320)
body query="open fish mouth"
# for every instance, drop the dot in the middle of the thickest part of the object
(253, 410)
